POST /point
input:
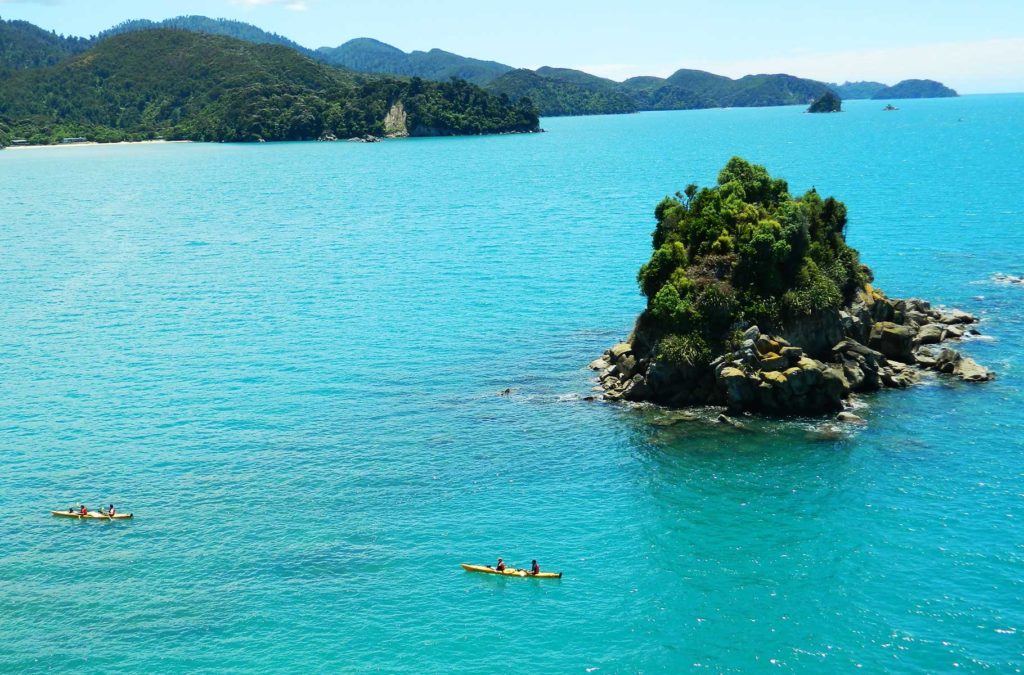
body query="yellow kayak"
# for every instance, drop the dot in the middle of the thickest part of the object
(511, 572)
(92, 515)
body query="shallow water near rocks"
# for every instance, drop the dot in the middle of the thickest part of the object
(286, 359)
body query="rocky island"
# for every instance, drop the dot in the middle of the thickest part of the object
(756, 302)
(828, 102)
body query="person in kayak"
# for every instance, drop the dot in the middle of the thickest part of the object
(534, 568)
(500, 566)
(83, 511)
(111, 512)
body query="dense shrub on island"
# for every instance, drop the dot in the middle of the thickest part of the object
(828, 102)
(755, 301)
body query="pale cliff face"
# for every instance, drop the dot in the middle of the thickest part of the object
(395, 123)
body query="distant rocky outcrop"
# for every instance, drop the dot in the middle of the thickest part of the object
(756, 303)
(1001, 278)
(829, 102)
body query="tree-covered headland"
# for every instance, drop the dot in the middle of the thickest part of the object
(176, 84)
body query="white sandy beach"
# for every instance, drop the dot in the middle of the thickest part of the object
(87, 144)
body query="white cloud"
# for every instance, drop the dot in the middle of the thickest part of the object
(293, 5)
(970, 67)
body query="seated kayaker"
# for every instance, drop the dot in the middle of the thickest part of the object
(110, 511)
(534, 568)
(500, 566)
(83, 511)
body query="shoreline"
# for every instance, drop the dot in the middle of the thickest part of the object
(87, 144)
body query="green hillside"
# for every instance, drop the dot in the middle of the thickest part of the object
(559, 91)
(556, 91)
(372, 56)
(183, 85)
(202, 24)
(23, 45)
(583, 94)
(857, 90)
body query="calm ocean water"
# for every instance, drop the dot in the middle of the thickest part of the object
(285, 360)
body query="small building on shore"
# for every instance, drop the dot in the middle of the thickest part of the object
(19, 141)
(76, 139)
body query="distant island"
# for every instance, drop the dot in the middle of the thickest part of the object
(916, 89)
(829, 102)
(554, 91)
(756, 302)
(904, 89)
(175, 84)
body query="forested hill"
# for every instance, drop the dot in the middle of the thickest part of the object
(855, 90)
(202, 24)
(904, 89)
(559, 91)
(24, 45)
(372, 56)
(555, 97)
(180, 85)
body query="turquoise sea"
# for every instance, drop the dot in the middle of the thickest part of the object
(285, 359)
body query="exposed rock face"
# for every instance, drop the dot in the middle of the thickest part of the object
(893, 341)
(811, 368)
(396, 122)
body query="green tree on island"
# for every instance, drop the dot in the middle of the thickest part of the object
(742, 251)
(829, 102)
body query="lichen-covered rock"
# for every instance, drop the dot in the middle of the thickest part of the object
(772, 361)
(893, 341)
(952, 332)
(792, 354)
(969, 370)
(739, 393)
(929, 334)
(620, 350)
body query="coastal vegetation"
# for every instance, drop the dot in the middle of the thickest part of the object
(175, 84)
(560, 91)
(744, 251)
(748, 287)
(555, 91)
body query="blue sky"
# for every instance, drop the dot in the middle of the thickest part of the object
(975, 46)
